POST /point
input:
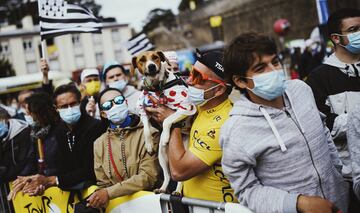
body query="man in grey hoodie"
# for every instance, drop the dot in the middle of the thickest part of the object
(277, 152)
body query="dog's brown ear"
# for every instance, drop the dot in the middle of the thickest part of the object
(162, 57)
(133, 65)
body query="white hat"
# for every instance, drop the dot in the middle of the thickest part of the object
(87, 72)
(171, 56)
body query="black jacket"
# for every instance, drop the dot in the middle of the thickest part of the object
(77, 164)
(326, 81)
(14, 155)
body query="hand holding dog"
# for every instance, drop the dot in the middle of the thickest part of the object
(160, 113)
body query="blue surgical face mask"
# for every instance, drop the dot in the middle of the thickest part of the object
(29, 119)
(118, 113)
(70, 115)
(269, 85)
(4, 129)
(197, 96)
(120, 84)
(354, 42)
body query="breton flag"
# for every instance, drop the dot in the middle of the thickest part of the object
(139, 43)
(322, 10)
(57, 17)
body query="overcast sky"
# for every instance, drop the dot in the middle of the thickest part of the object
(134, 12)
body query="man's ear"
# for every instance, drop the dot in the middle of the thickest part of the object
(103, 114)
(335, 38)
(133, 65)
(220, 90)
(239, 82)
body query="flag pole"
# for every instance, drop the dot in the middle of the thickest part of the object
(44, 50)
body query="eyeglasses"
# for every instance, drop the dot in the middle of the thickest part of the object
(108, 104)
(198, 77)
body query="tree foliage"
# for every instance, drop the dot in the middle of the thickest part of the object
(185, 4)
(6, 69)
(157, 17)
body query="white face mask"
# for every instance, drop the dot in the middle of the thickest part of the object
(197, 96)
(118, 113)
(120, 84)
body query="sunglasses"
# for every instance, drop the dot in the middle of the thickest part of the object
(198, 77)
(108, 104)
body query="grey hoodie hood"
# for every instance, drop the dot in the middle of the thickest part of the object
(348, 69)
(15, 127)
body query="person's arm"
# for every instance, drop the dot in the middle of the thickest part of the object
(239, 166)
(146, 178)
(183, 164)
(46, 85)
(353, 138)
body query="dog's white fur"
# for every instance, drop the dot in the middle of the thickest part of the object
(186, 109)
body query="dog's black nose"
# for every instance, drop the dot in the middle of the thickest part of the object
(152, 68)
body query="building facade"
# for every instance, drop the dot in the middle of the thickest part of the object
(66, 53)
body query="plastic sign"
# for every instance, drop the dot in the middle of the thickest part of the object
(215, 21)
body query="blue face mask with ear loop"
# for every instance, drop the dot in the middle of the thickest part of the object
(4, 129)
(354, 42)
(269, 85)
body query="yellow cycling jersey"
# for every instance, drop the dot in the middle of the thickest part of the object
(204, 144)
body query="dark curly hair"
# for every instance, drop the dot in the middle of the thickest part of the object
(42, 107)
(243, 51)
(70, 87)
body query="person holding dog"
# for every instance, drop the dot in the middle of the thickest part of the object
(115, 76)
(121, 162)
(199, 166)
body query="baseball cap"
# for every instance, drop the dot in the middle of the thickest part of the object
(213, 60)
(108, 66)
(87, 72)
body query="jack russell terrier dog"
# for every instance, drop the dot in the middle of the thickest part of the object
(162, 85)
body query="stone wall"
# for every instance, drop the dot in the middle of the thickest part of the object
(241, 16)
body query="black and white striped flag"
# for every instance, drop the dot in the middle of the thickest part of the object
(139, 43)
(57, 17)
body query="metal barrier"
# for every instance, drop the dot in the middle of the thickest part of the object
(5, 206)
(174, 204)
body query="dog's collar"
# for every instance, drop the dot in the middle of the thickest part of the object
(176, 81)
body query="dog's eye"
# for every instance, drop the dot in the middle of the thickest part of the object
(155, 57)
(143, 59)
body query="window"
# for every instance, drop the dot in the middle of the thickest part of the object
(79, 61)
(31, 67)
(4, 49)
(54, 64)
(115, 35)
(118, 55)
(97, 39)
(28, 45)
(75, 38)
(99, 59)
